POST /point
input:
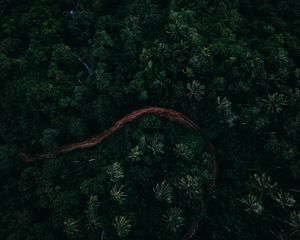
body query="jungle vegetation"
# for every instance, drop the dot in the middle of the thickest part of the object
(69, 69)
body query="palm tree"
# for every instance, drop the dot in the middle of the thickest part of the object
(275, 102)
(196, 90)
(122, 225)
(163, 192)
(173, 219)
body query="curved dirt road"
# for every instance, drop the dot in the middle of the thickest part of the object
(172, 115)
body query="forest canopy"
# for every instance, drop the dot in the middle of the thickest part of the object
(70, 69)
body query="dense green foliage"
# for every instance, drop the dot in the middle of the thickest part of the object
(71, 68)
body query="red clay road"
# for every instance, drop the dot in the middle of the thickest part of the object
(172, 115)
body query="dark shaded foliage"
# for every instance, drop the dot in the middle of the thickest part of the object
(69, 69)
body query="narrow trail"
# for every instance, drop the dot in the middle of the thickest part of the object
(172, 115)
